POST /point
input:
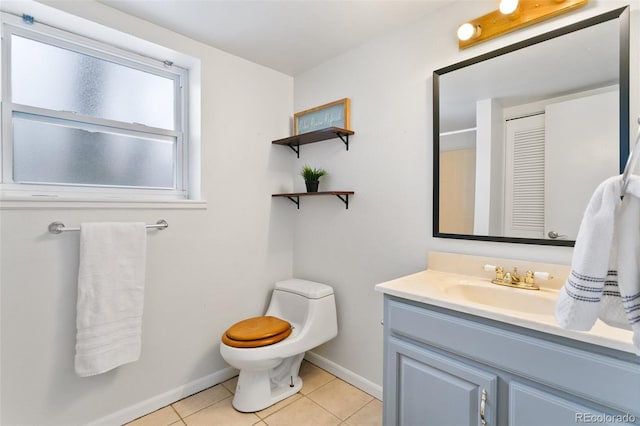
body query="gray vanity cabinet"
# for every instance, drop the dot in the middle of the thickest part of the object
(443, 367)
(532, 406)
(432, 389)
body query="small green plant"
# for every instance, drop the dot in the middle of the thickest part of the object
(312, 175)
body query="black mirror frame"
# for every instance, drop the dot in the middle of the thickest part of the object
(623, 15)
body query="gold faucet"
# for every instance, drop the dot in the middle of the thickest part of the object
(513, 279)
(515, 276)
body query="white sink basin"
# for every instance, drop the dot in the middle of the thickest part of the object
(539, 302)
(533, 309)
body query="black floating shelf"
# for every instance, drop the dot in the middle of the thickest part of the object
(295, 196)
(294, 142)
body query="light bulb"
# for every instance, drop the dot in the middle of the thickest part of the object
(468, 31)
(507, 7)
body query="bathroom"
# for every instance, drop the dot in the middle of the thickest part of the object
(223, 251)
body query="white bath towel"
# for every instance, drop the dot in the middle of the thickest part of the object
(604, 281)
(111, 280)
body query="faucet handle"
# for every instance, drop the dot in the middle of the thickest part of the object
(531, 276)
(499, 270)
(542, 276)
(493, 268)
(490, 268)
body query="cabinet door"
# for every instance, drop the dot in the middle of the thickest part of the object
(425, 388)
(529, 406)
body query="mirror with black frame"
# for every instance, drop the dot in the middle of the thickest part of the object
(524, 134)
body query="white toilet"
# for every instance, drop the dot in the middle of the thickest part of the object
(301, 316)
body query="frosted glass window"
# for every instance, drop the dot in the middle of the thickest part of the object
(82, 113)
(51, 77)
(54, 152)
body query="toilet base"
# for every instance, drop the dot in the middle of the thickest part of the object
(257, 390)
(247, 403)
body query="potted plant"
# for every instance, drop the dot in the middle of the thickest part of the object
(311, 177)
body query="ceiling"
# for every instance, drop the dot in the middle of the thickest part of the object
(290, 36)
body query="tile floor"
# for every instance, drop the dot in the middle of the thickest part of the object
(323, 400)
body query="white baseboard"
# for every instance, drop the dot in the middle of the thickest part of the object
(347, 375)
(144, 407)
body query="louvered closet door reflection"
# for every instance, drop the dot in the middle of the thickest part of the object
(525, 177)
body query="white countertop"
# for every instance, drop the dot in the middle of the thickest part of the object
(526, 308)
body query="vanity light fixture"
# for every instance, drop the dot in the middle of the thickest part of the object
(508, 7)
(511, 15)
(468, 31)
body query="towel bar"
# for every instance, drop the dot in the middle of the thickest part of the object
(58, 227)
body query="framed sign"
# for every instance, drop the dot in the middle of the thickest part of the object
(334, 114)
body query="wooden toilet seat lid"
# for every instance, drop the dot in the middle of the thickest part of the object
(257, 331)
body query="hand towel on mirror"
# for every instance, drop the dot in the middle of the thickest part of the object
(111, 280)
(604, 281)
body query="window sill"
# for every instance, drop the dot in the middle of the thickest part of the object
(58, 203)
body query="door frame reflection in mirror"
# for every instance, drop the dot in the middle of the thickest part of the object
(622, 16)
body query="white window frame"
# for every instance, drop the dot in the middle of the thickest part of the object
(40, 32)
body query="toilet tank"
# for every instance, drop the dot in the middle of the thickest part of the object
(298, 301)
(308, 289)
